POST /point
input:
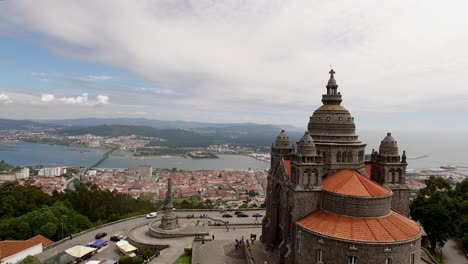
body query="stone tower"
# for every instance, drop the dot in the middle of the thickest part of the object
(334, 132)
(389, 169)
(321, 206)
(169, 220)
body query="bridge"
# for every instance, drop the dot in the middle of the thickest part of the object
(103, 158)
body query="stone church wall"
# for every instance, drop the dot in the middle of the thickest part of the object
(356, 206)
(338, 251)
(401, 200)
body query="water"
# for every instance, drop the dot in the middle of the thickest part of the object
(125, 160)
(442, 148)
(26, 154)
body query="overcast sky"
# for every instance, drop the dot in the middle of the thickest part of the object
(399, 64)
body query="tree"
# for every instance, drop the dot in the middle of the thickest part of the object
(137, 260)
(436, 210)
(48, 230)
(435, 184)
(125, 260)
(29, 260)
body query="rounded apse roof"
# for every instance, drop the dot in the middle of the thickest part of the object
(391, 228)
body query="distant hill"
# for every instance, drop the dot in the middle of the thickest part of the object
(89, 122)
(6, 124)
(260, 135)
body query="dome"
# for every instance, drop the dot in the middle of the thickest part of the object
(282, 141)
(388, 146)
(331, 121)
(306, 146)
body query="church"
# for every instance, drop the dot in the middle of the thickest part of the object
(327, 204)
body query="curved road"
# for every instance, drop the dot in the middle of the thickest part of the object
(121, 228)
(453, 253)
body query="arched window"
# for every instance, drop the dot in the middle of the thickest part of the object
(338, 156)
(391, 174)
(343, 156)
(399, 173)
(350, 157)
(361, 156)
(306, 177)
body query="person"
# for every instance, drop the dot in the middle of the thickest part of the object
(212, 236)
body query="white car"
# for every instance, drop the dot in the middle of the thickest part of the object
(151, 215)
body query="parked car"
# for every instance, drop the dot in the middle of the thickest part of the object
(115, 238)
(151, 215)
(238, 212)
(100, 235)
(242, 215)
(226, 215)
(257, 215)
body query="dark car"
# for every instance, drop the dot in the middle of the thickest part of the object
(238, 212)
(115, 238)
(100, 235)
(226, 215)
(242, 215)
(257, 215)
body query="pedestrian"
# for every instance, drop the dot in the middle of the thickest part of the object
(212, 236)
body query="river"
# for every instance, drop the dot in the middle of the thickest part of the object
(25, 154)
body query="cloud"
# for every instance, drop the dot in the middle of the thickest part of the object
(102, 99)
(96, 78)
(47, 98)
(5, 99)
(80, 100)
(268, 55)
(40, 74)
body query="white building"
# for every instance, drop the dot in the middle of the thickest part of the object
(52, 172)
(22, 174)
(12, 251)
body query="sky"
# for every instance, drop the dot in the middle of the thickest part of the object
(402, 65)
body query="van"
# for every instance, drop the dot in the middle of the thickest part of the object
(151, 215)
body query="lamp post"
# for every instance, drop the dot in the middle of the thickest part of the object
(61, 221)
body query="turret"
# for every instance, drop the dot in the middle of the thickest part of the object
(306, 165)
(281, 149)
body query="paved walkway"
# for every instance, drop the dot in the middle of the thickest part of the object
(222, 249)
(453, 253)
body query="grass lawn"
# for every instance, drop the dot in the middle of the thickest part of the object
(435, 255)
(184, 259)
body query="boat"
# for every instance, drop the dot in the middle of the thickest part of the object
(448, 167)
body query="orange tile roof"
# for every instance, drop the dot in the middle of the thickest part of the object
(391, 228)
(350, 182)
(287, 166)
(10, 247)
(41, 239)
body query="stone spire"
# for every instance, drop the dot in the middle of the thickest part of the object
(169, 220)
(332, 97)
(168, 204)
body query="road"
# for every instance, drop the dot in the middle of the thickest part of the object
(122, 227)
(453, 253)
